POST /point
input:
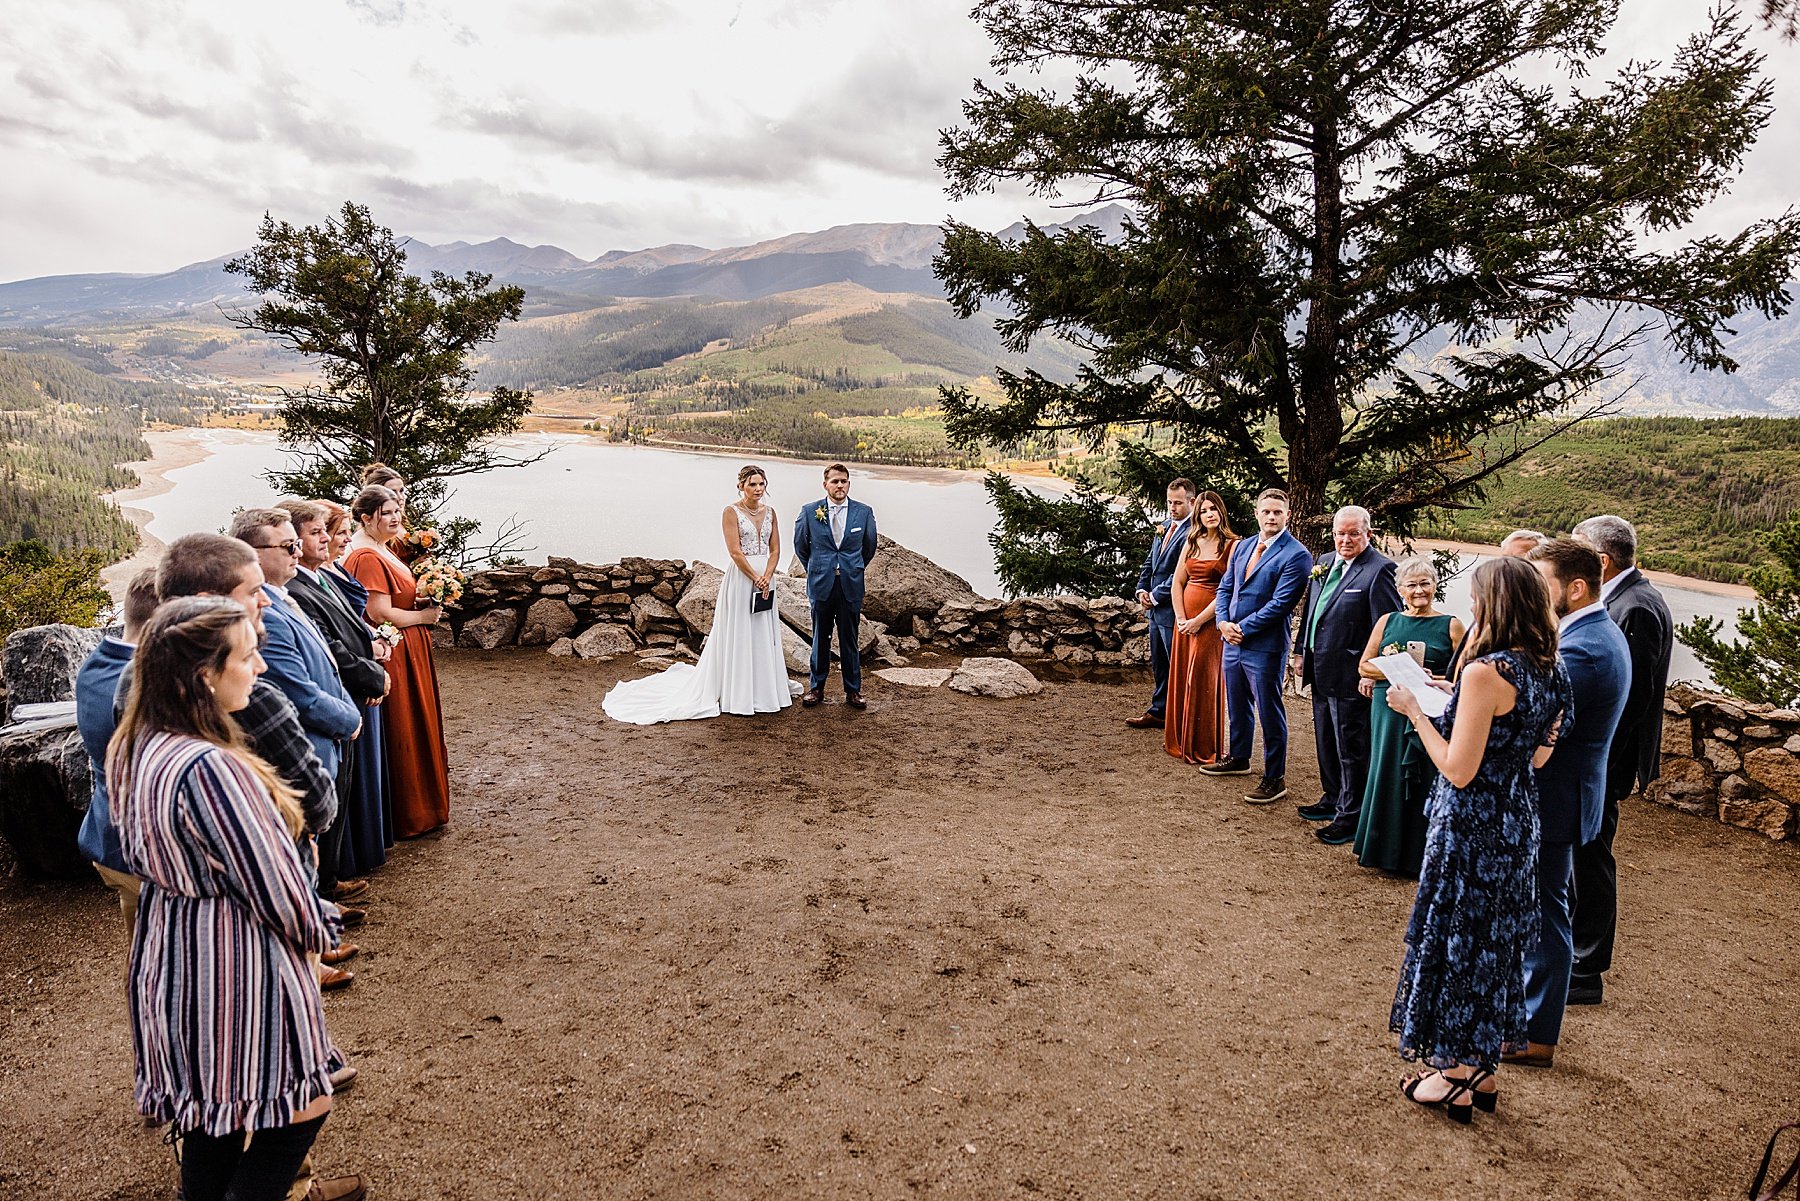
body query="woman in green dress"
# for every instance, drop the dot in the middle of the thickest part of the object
(1390, 832)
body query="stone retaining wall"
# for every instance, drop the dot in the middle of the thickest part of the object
(636, 603)
(1728, 759)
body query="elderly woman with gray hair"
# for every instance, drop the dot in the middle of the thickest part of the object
(1390, 830)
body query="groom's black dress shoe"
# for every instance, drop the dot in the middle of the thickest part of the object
(1586, 990)
(855, 700)
(810, 697)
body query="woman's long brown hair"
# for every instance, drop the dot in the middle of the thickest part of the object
(1512, 612)
(184, 639)
(1197, 530)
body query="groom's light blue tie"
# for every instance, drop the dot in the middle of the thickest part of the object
(837, 523)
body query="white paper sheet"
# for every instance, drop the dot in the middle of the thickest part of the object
(1405, 670)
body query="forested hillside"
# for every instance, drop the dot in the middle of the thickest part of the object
(63, 429)
(1703, 492)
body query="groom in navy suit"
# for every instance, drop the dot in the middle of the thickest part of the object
(835, 538)
(1262, 583)
(1572, 784)
(1352, 589)
(1154, 584)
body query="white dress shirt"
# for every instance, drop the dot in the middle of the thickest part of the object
(1574, 615)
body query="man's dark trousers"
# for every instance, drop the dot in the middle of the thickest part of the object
(1162, 642)
(836, 611)
(1341, 731)
(1547, 970)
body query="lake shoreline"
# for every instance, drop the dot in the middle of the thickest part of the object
(1667, 579)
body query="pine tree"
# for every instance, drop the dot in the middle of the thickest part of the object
(393, 351)
(1367, 258)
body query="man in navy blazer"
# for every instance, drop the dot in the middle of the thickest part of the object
(1572, 784)
(1153, 587)
(1262, 583)
(299, 660)
(1352, 588)
(1642, 615)
(835, 538)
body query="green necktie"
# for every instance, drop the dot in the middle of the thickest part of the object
(1325, 595)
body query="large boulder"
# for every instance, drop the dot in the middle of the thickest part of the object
(44, 789)
(902, 584)
(546, 621)
(492, 629)
(700, 599)
(797, 651)
(39, 662)
(604, 641)
(994, 677)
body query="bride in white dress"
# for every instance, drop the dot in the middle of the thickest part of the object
(741, 668)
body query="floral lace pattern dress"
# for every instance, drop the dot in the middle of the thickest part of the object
(1462, 985)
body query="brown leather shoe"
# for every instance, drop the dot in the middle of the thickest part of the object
(1145, 721)
(810, 697)
(1530, 1055)
(334, 978)
(338, 1188)
(349, 890)
(352, 916)
(855, 700)
(346, 950)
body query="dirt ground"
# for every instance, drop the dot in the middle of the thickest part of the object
(946, 947)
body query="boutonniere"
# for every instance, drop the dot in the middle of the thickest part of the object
(1320, 571)
(821, 514)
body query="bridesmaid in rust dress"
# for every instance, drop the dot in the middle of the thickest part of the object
(1195, 729)
(412, 721)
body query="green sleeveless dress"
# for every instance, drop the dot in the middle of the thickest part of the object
(1390, 831)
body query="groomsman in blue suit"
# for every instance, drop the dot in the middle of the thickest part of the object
(1352, 589)
(1572, 784)
(1262, 584)
(1153, 587)
(299, 661)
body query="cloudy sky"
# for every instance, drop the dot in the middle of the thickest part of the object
(138, 135)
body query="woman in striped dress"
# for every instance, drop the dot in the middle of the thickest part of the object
(229, 1036)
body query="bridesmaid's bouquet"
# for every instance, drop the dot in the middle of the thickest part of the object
(421, 540)
(439, 583)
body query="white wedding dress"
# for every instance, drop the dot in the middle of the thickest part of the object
(741, 668)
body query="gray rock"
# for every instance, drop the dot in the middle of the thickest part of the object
(797, 651)
(44, 788)
(915, 677)
(492, 629)
(603, 641)
(441, 638)
(562, 648)
(901, 584)
(648, 612)
(39, 662)
(701, 599)
(546, 621)
(994, 677)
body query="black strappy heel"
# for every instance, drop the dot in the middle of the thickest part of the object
(1460, 1112)
(1486, 1102)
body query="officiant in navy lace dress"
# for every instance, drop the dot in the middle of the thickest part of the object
(1462, 987)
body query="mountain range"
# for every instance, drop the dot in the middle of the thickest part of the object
(890, 258)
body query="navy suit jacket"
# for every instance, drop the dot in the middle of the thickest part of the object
(300, 664)
(1158, 575)
(1640, 612)
(95, 685)
(1572, 783)
(1365, 594)
(826, 561)
(1262, 604)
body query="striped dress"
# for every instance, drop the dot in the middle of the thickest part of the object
(225, 1013)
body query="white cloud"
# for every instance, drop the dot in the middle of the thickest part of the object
(141, 134)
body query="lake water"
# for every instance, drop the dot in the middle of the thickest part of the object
(596, 502)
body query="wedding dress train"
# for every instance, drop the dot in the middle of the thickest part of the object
(741, 670)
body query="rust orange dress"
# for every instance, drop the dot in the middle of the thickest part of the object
(1195, 725)
(412, 722)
